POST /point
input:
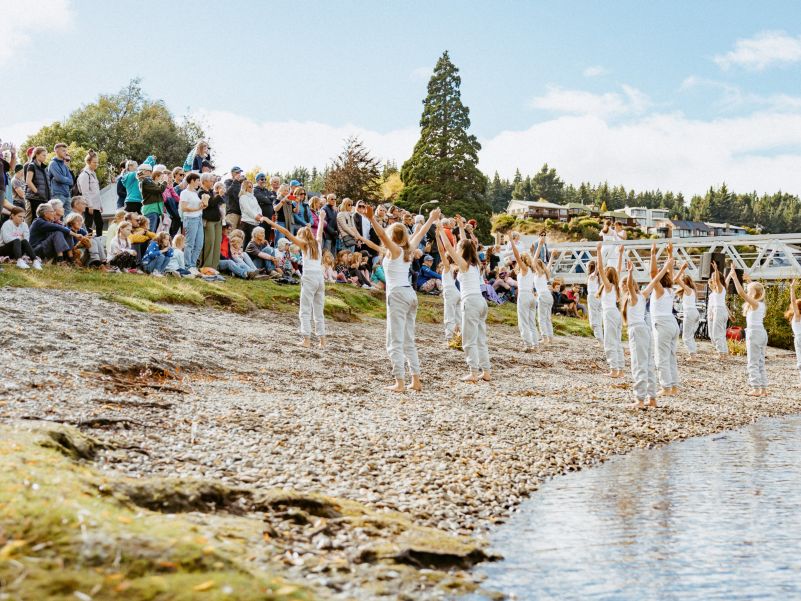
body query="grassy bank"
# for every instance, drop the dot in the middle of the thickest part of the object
(68, 531)
(154, 295)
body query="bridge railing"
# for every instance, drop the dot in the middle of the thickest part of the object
(765, 257)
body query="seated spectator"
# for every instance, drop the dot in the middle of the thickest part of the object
(239, 255)
(329, 273)
(342, 265)
(122, 256)
(261, 253)
(235, 262)
(48, 238)
(574, 294)
(284, 257)
(87, 250)
(429, 280)
(378, 278)
(158, 255)
(111, 233)
(15, 240)
(177, 264)
(140, 234)
(358, 274)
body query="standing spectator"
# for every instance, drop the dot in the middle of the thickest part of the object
(14, 240)
(152, 188)
(303, 215)
(18, 187)
(130, 179)
(61, 180)
(315, 205)
(232, 187)
(122, 193)
(251, 213)
(212, 220)
(89, 188)
(7, 169)
(284, 210)
(265, 197)
(347, 228)
(194, 160)
(37, 183)
(362, 225)
(172, 198)
(192, 207)
(48, 238)
(331, 231)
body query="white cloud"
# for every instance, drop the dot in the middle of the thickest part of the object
(580, 102)
(280, 146)
(17, 133)
(21, 19)
(764, 49)
(733, 97)
(667, 151)
(421, 74)
(594, 71)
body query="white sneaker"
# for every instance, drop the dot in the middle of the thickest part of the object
(157, 274)
(22, 264)
(37, 264)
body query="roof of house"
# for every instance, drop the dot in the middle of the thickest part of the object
(689, 225)
(725, 225)
(617, 215)
(581, 207)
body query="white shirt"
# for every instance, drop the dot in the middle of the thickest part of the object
(525, 283)
(593, 284)
(541, 284)
(396, 272)
(448, 282)
(193, 200)
(608, 299)
(312, 266)
(717, 299)
(796, 325)
(754, 318)
(365, 227)
(688, 302)
(662, 306)
(10, 232)
(470, 282)
(635, 314)
(249, 207)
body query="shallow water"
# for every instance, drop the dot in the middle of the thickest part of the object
(717, 517)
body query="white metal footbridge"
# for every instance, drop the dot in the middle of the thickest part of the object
(762, 257)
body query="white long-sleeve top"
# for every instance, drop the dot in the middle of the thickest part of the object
(119, 246)
(90, 188)
(250, 208)
(10, 232)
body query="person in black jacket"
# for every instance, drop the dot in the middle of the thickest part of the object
(331, 232)
(232, 186)
(122, 192)
(37, 182)
(265, 197)
(366, 230)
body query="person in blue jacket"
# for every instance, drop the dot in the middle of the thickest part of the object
(61, 180)
(428, 280)
(49, 239)
(158, 254)
(133, 198)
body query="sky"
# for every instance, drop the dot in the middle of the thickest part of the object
(679, 95)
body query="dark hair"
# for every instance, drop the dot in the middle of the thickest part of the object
(122, 165)
(191, 177)
(469, 252)
(17, 211)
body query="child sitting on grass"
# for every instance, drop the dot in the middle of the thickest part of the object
(121, 255)
(111, 233)
(329, 273)
(158, 255)
(177, 264)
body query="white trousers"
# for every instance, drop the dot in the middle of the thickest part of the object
(453, 311)
(596, 316)
(666, 342)
(643, 369)
(526, 318)
(401, 320)
(474, 332)
(756, 342)
(688, 329)
(312, 304)
(613, 332)
(544, 306)
(718, 320)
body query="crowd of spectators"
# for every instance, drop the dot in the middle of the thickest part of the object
(187, 221)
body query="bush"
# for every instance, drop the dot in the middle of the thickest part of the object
(777, 299)
(503, 222)
(736, 347)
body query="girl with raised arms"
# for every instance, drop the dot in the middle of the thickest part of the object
(474, 307)
(793, 314)
(609, 294)
(526, 302)
(542, 274)
(666, 328)
(312, 283)
(756, 338)
(717, 313)
(689, 325)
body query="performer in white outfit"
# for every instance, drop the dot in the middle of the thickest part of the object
(689, 297)
(609, 294)
(594, 301)
(452, 299)
(717, 313)
(526, 302)
(756, 338)
(794, 315)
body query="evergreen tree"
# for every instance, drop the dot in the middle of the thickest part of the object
(498, 194)
(354, 173)
(444, 163)
(546, 184)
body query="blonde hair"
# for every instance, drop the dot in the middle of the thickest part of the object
(179, 241)
(328, 259)
(306, 236)
(398, 233)
(757, 290)
(614, 281)
(246, 183)
(73, 217)
(525, 259)
(236, 234)
(163, 239)
(258, 232)
(125, 225)
(315, 203)
(119, 216)
(346, 204)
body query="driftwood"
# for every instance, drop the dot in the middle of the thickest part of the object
(94, 422)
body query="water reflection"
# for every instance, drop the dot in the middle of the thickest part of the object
(710, 518)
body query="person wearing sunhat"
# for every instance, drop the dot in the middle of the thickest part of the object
(233, 214)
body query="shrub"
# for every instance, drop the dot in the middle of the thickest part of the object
(777, 299)
(503, 222)
(736, 347)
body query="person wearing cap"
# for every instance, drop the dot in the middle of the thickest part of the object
(265, 198)
(60, 176)
(233, 214)
(130, 179)
(153, 187)
(428, 280)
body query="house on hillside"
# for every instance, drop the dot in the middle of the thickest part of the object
(539, 210)
(726, 229)
(578, 210)
(645, 217)
(676, 228)
(620, 217)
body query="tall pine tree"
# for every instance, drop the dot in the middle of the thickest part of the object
(444, 163)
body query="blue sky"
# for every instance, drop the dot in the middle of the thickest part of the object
(680, 94)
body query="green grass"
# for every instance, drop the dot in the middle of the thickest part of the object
(151, 295)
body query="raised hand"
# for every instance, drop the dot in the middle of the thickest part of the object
(370, 212)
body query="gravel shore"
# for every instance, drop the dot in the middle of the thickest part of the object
(236, 400)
